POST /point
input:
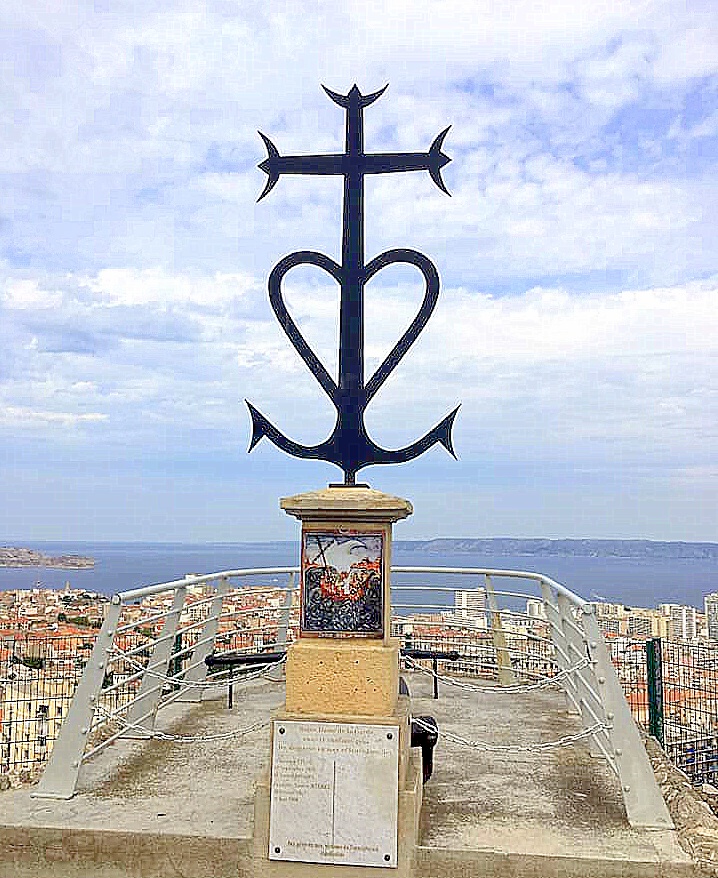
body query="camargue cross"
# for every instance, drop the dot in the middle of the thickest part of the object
(349, 446)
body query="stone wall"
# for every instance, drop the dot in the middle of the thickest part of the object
(696, 824)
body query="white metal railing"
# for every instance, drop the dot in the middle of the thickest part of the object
(135, 669)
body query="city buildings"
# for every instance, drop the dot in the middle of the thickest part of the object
(683, 621)
(710, 604)
(667, 621)
(470, 604)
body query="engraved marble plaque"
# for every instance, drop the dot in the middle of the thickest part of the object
(334, 793)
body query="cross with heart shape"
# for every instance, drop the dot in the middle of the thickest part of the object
(349, 446)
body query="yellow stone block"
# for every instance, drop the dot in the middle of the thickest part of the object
(334, 676)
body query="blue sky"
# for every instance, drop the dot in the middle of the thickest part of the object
(578, 318)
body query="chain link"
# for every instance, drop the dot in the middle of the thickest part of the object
(183, 739)
(543, 683)
(564, 741)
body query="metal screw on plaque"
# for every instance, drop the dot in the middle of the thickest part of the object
(349, 446)
(389, 736)
(387, 857)
(281, 731)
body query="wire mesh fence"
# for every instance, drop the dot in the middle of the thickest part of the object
(690, 708)
(672, 689)
(38, 677)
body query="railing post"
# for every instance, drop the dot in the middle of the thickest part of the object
(577, 649)
(654, 687)
(283, 629)
(642, 797)
(558, 638)
(207, 639)
(503, 656)
(144, 710)
(175, 665)
(60, 776)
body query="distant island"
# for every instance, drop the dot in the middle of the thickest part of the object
(11, 556)
(565, 548)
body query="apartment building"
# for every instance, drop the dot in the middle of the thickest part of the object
(470, 604)
(710, 606)
(683, 621)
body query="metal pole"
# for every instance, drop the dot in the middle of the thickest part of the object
(503, 657)
(576, 650)
(145, 708)
(654, 686)
(198, 673)
(642, 796)
(60, 776)
(283, 629)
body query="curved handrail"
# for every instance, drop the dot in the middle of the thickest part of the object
(148, 590)
(508, 574)
(158, 588)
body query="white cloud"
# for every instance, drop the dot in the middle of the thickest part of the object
(26, 294)
(112, 162)
(528, 38)
(691, 52)
(573, 321)
(132, 287)
(625, 372)
(17, 417)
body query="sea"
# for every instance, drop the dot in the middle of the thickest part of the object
(635, 582)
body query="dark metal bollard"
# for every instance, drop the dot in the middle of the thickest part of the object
(224, 660)
(434, 654)
(426, 738)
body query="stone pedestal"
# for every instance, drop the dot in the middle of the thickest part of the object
(342, 686)
(358, 677)
(408, 791)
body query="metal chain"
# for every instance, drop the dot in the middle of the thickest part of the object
(183, 739)
(564, 741)
(543, 683)
(204, 684)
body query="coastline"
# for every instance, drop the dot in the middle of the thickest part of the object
(14, 556)
(635, 581)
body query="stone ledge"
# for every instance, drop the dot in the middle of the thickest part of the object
(347, 504)
(444, 863)
(71, 853)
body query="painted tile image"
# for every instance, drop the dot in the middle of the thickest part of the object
(342, 589)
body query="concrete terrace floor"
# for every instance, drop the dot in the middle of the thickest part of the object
(160, 809)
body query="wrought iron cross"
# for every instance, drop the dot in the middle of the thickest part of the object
(349, 446)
